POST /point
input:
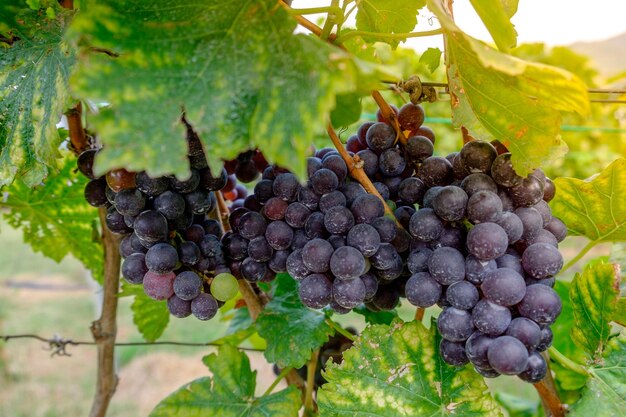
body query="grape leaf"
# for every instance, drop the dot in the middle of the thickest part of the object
(596, 207)
(55, 219)
(228, 393)
(242, 75)
(594, 295)
(605, 394)
(518, 406)
(517, 102)
(376, 317)
(387, 16)
(561, 329)
(34, 76)
(397, 370)
(431, 58)
(291, 329)
(347, 110)
(494, 15)
(150, 316)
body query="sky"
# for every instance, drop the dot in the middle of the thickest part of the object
(554, 22)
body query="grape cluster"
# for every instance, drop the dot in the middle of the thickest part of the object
(170, 246)
(486, 251)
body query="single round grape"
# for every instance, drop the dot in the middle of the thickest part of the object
(308, 197)
(178, 307)
(362, 132)
(487, 372)
(187, 285)
(371, 285)
(450, 237)
(540, 304)
(436, 171)
(455, 325)
(504, 287)
(391, 162)
(549, 190)
(542, 260)
(348, 293)
(235, 246)
(531, 221)
(484, 206)
(312, 164)
(353, 144)
(252, 270)
(386, 299)
(385, 257)
(235, 217)
(120, 179)
(336, 164)
(324, 181)
(512, 225)
(260, 250)
(246, 171)
(85, 163)
(380, 136)
(204, 307)
(526, 331)
(134, 268)
(151, 226)
(347, 263)
(251, 225)
(412, 190)
(365, 238)
(450, 203)
(411, 116)
(477, 156)
(161, 258)
(275, 208)
(314, 226)
(527, 193)
(393, 185)
(170, 204)
(490, 318)
(417, 260)
(424, 131)
(447, 265)
(194, 233)
(453, 353)
(136, 244)
(425, 225)
(536, 369)
(370, 162)
(224, 287)
(199, 201)
(330, 200)
(95, 192)
(315, 291)
(503, 173)
(278, 262)
(542, 236)
(126, 248)
(507, 355)
(296, 214)
(286, 186)
(351, 191)
(159, 287)
(544, 210)
(474, 183)
(476, 270)
(295, 266)
(299, 239)
(422, 290)
(115, 222)
(366, 208)
(510, 261)
(487, 241)
(557, 228)
(338, 220)
(545, 340)
(418, 148)
(188, 253)
(186, 185)
(151, 186)
(316, 255)
(263, 190)
(385, 227)
(279, 235)
(462, 295)
(403, 215)
(393, 272)
(476, 348)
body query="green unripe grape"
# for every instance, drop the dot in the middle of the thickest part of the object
(224, 287)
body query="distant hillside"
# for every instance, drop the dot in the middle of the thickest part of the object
(609, 55)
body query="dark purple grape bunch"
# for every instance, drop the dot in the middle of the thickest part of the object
(170, 246)
(487, 252)
(330, 234)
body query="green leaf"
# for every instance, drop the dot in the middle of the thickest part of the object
(387, 16)
(292, 330)
(605, 394)
(431, 58)
(376, 317)
(396, 370)
(494, 15)
(55, 219)
(515, 101)
(518, 406)
(347, 110)
(242, 75)
(596, 207)
(561, 329)
(229, 393)
(150, 316)
(34, 75)
(510, 7)
(594, 295)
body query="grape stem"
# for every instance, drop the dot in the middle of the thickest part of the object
(222, 211)
(309, 404)
(566, 362)
(389, 36)
(355, 168)
(577, 258)
(78, 139)
(546, 388)
(303, 21)
(387, 113)
(419, 314)
(279, 378)
(337, 328)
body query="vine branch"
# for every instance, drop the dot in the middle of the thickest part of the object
(389, 114)
(389, 36)
(309, 403)
(337, 328)
(77, 135)
(303, 21)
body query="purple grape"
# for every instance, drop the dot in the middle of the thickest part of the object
(324, 181)
(425, 225)
(447, 265)
(347, 263)
(507, 355)
(487, 241)
(542, 260)
(477, 156)
(453, 353)
(536, 369)
(366, 208)
(178, 307)
(134, 268)
(491, 318)
(204, 307)
(338, 220)
(436, 171)
(476, 348)
(418, 260)
(161, 258)
(295, 266)
(462, 295)
(260, 250)
(484, 206)
(504, 287)
(512, 225)
(316, 255)
(385, 227)
(187, 285)
(450, 203)
(412, 190)
(279, 235)
(540, 304)
(476, 270)
(474, 183)
(455, 325)
(348, 293)
(422, 290)
(380, 136)
(330, 200)
(526, 331)
(286, 186)
(365, 238)
(252, 270)
(315, 291)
